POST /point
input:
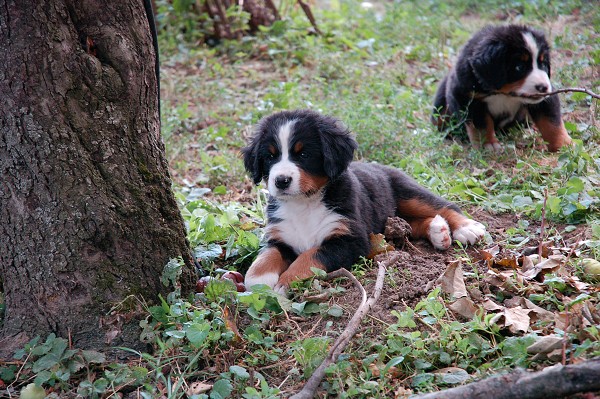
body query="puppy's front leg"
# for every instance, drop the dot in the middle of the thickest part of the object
(299, 270)
(491, 141)
(336, 252)
(547, 118)
(266, 268)
(474, 135)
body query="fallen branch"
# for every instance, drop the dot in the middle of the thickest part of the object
(305, 7)
(310, 388)
(556, 381)
(541, 95)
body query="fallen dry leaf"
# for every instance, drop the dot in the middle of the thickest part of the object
(515, 319)
(507, 279)
(451, 375)
(547, 266)
(402, 393)
(197, 388)
(464, 306)
(452, 280)
(378, 245)
(544, 345)
(231, 324)
(510, 263)
(574, 282)
(540, 313)
(491, 306)
(489, 253)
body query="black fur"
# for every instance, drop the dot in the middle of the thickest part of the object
(366, 194)
(491, 59)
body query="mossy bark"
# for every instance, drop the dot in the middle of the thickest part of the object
(87, 215)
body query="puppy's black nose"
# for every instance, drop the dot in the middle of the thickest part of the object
(542, 88)
(282, 182)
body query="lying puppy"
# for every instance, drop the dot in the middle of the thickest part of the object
(496, 64)
(322, 206)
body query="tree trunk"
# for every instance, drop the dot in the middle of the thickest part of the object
(87, 216)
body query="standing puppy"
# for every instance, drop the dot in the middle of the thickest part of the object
(323, 206)
(496, 64)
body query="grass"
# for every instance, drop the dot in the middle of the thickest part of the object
(377, 70)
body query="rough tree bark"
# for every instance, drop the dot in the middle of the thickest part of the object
(87, 216)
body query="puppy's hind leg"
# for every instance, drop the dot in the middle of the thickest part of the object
(439, 221)
(435, 229)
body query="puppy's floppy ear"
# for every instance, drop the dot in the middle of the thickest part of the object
(489, 64)
(338, 146)
(252, 159)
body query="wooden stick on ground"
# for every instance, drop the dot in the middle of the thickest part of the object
(543, 225)
(557, 381)
(311, 386)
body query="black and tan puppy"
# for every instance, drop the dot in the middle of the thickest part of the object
(323, 206)
(495, 64)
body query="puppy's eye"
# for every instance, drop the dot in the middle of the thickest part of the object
(304, 155)
(520, 67)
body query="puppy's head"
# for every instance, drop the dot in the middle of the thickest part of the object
(512, 58)
(298, 152)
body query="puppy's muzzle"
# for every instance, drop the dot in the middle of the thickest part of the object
(282, 182)
(542, 88)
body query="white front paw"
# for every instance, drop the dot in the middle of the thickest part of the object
(439, 233)
(281, 289)
(269, 279)
(494, 147)
(469, 233)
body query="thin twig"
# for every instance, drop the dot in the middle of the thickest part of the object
(346, 273)
(310, 388)
(565, 338)
(310, 16)
(543, 225)
(19, 372)
(541, 95)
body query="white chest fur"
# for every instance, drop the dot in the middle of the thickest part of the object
(306, 223)
(503, 105)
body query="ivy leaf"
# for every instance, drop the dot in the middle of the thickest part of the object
(46, 362)
(175, 334)
(197, 333)
(239, 372)
(553, 205)
(221, 390)
(575, 185)
(335, 311)
(171, 272)
(92, 356)
(220, 190)
(208, 252)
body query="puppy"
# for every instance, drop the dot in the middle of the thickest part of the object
(498, 63)
(323, 206)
